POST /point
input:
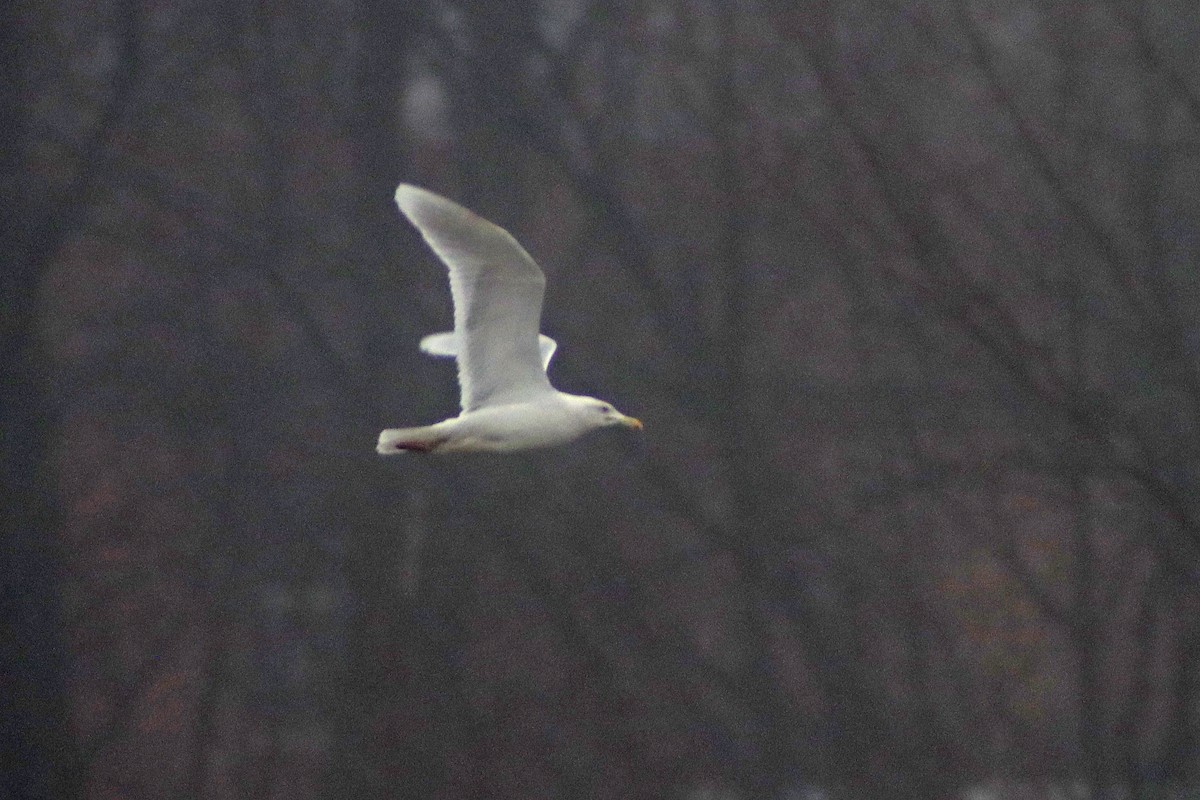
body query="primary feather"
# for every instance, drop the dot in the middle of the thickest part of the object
(445, 345)
(497, 290)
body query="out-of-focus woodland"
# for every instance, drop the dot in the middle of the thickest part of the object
(905, 292)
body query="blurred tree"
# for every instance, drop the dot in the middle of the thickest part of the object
(44, 211)
(903, 291)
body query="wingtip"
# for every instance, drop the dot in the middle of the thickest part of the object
(407, 195)
(416, 202)
(440, 345)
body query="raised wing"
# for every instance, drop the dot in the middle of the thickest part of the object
(497, 289)
(445, 345)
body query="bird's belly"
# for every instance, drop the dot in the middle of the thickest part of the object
(508, 428)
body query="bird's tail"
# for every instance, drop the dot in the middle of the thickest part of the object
(425, 439)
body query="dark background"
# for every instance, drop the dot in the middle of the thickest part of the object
(904, 290)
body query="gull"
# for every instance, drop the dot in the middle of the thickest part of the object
(507, 401)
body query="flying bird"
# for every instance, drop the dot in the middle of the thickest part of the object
(507, 401)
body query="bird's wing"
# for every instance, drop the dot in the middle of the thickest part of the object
(497, 289)
(445, 345)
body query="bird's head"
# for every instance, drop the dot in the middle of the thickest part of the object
(600, 414)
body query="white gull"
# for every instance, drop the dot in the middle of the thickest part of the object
(507, 400)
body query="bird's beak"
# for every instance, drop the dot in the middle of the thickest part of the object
(631, 422)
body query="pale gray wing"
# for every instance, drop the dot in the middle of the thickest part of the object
(497, 289)
(445, 345)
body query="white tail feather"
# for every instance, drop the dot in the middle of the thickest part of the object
(402, 440)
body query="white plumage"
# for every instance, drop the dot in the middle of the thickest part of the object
(507, 400)
(445, 345)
